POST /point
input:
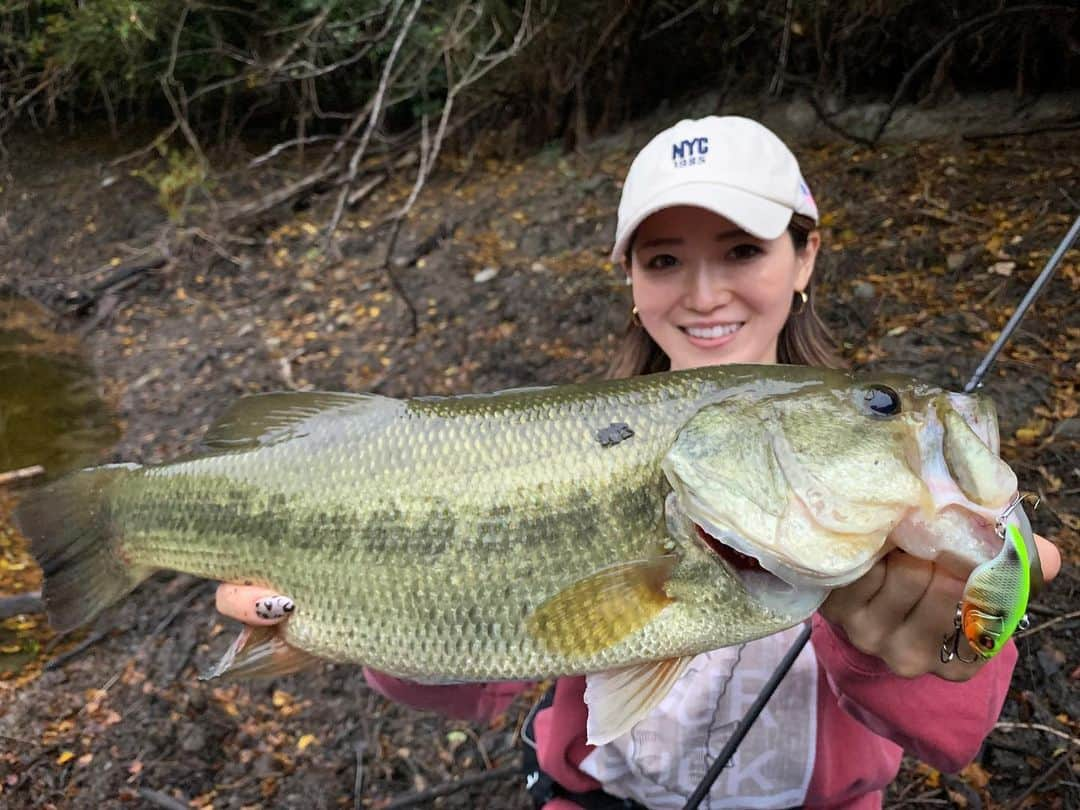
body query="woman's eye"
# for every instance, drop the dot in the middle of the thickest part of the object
(744, 252)
(662, 261)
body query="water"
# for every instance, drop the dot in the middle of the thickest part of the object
(50, 410)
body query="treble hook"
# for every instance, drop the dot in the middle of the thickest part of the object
(999, 525)
(950, 644)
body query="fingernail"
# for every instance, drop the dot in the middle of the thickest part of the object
(274, 607)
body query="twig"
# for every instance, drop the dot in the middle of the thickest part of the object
(194, 592)
(777, 83)
(358, 780)
(78, 650)
(445, 789)
(29, 602)
(161, 137)
(162, 800)
(826, 119)
(1040, 627)
(1005, 726)
(21, 474)
(1049, 126)
(686, 12)
(373, 119)
(1038, 783)
(281, 147)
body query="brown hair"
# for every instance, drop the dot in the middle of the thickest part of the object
(804, 340)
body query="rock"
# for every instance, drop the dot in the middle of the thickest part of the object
(485, 275)
(192, 738)
(1051, 660)
(955, 261)
(864, 290)
(1068, 428)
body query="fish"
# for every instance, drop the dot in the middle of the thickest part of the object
(615, 528)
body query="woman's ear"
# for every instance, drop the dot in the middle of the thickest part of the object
(805, 259)
(626, 269)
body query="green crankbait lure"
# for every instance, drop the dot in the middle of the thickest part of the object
(994, 603)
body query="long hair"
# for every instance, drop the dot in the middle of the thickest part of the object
(804, 339)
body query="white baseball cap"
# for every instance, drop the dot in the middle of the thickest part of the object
(729, 165)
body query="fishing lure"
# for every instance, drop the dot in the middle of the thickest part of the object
(995, 598)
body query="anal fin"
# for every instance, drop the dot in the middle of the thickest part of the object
(621, 698)
(259, 652)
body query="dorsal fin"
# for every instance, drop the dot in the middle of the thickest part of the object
(263, 419)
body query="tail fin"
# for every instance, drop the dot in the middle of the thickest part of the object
(72, 538)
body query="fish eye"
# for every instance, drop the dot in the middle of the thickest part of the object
(882, 401)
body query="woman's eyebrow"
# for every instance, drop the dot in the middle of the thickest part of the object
(734, 233)
(661, 240)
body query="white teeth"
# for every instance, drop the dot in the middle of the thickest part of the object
(710, 332)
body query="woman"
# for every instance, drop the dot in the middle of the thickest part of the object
(716, 235)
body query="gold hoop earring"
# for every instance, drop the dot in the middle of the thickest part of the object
(799, 305)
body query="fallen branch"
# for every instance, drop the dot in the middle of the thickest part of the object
(1005, 726)
(29, 602)
(826, 119)
(446, 788)
(164, 800)
(1040, 627)
(76, 651)
(1049, 126)
(1018, 802)
(22, 474)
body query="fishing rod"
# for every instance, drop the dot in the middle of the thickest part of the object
(786, 662)
(1032, 294)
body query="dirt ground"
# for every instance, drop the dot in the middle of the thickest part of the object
(928, 247)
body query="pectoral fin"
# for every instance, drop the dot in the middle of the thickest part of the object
(600, 610)
(259, 652)
(619, 699)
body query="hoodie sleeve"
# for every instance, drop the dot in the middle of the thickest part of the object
(476, 702)
(909, 711)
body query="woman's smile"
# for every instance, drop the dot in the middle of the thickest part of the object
(711, 336)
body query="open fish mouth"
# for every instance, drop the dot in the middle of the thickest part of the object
(762, 584)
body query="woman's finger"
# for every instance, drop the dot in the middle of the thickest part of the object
(253, 604)
(906, 580)
(1049, 557)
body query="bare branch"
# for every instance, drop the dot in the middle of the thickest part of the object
(373, 119)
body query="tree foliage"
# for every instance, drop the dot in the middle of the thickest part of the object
(235, 68)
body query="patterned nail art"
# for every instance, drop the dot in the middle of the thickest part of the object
(274, 607)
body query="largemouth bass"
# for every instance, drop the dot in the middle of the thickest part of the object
(618, 526)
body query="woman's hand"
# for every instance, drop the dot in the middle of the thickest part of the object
(252, 604)
(903, 607)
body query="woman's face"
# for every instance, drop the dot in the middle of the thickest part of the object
(708, 292)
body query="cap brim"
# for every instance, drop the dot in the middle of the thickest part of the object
(755, 215)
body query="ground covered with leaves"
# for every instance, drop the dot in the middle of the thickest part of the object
(928, 246)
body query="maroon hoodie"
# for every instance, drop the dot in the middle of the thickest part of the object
(866, 716)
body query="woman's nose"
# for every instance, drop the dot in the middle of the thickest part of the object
(705, 290)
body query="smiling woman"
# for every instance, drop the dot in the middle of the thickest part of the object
(717, 235)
